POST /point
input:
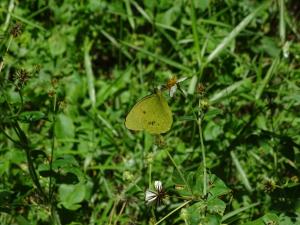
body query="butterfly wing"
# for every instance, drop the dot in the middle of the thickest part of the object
(152, 114)
(135, 117)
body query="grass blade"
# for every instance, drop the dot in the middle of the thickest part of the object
(227, 91)
(129, 14)
(267, 78)
(158, 57)
(241, 171)
(282, 32)
(234, 33)
(89, 71)
(8, 16)
(116, 43)
(237, 211)
(142, 12)
(28, 22)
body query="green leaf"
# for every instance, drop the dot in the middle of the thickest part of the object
(202, 4)
(71, 195)
(212, 130)
(192, 214)
(204, 213)
(216, 186)
(64, 127)
(57, 44)
(22, 221)
(212, 220)
(168, 17)
(31, 116)
(216, 206)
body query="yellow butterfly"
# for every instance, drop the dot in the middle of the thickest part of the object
(152, 114)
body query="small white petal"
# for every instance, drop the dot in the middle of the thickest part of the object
(150, 196)
(158, 185)
(172, 90)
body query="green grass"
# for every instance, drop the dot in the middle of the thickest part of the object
(70, 72)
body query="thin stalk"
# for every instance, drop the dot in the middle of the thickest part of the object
(22, 102)
(203, 156)
(282, 29)
(54, 216)
(24, 143)
(51, 189)
(173, 211)
(150, 177)
(179, 171)
(120, 213)
(6, 135)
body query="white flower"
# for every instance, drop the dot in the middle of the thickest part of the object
(150, 196)
(156, 196)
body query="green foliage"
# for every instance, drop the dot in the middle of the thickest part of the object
(208, 208)
(70, 71)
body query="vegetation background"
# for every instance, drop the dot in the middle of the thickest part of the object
(71, 70)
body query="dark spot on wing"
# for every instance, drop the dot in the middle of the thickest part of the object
(144, 111)
(151, 123)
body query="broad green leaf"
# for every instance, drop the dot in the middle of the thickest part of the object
(192, 213)
(57, 44)
(71, 195)
(64, 127)
(216, 186)
(212, 130)
(202, 4)
(216, 206)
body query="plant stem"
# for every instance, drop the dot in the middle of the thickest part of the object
(24, 143)
(203, 156)
(52, 149)
(173, 211)
(179, 171)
